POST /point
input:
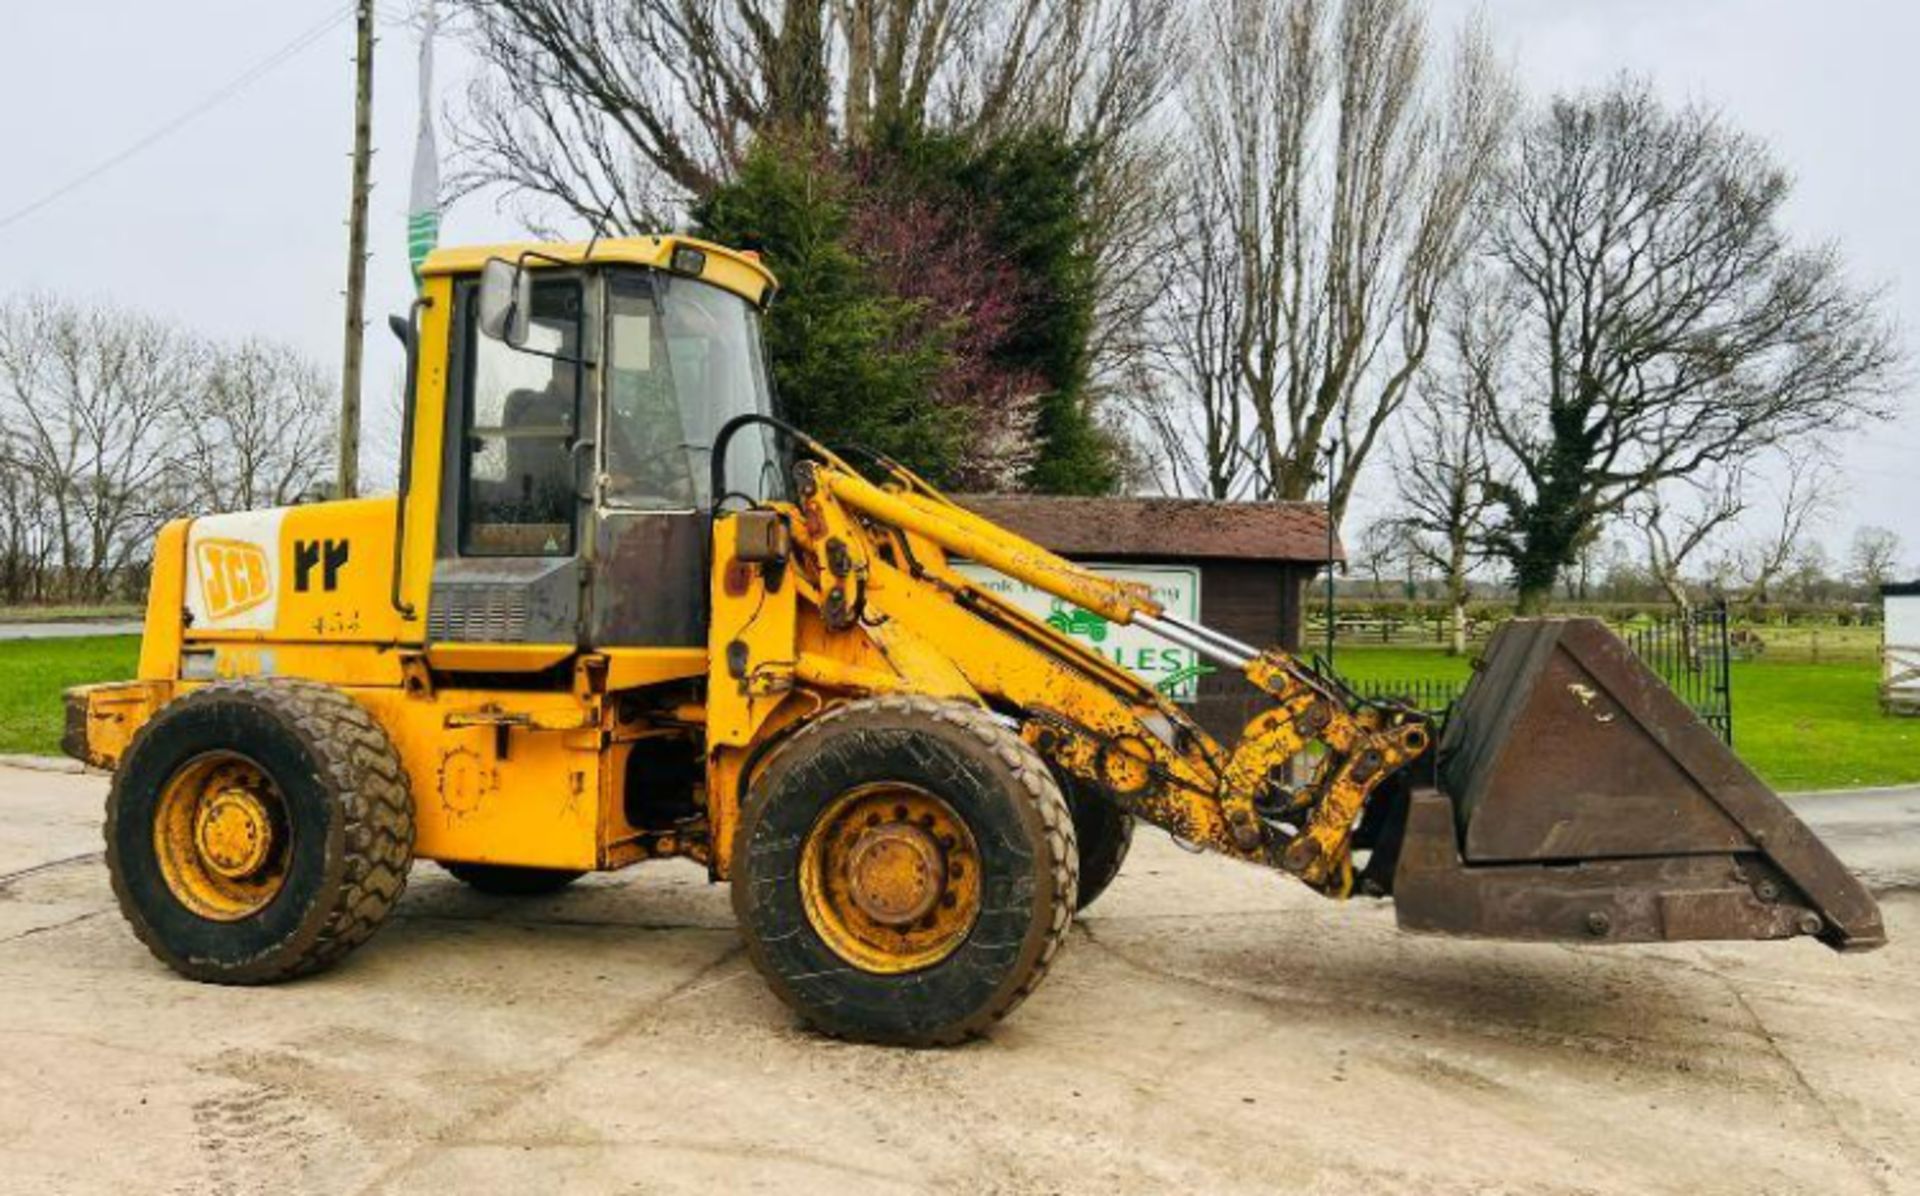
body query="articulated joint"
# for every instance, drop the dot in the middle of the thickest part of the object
(1260, 760)
(1320, 854)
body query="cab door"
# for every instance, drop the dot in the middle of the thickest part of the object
(509, 564)
(682, 357)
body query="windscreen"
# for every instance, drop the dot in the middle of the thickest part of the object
(684, 357)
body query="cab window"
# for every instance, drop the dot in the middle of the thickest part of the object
(684, 357)
(522, 417)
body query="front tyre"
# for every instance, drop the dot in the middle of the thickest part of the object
(258, 830)
(904, 871)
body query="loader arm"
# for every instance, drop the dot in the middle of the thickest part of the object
(873, 569)
(1577, 799)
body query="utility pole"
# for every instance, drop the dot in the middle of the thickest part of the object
(357, 250)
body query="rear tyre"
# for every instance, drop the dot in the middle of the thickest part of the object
(501, 880)
(258, 830)
(904, 871)
(1104, 833)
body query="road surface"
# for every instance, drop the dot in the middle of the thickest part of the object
(65, 631)
(1210, 1028)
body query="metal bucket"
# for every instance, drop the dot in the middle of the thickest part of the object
(1580, 800)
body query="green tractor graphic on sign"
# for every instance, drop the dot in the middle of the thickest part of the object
(1073, 621)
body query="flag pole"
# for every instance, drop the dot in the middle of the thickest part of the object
(423, 197)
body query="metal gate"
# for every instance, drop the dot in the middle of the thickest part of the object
(1691, 653)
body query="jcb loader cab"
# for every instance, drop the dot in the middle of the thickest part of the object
(619, 611)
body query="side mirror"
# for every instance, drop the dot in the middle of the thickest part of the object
(506, 302)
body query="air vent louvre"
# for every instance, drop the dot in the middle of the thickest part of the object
(478, 614)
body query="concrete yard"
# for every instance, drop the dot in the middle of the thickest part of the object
(1210, 1028)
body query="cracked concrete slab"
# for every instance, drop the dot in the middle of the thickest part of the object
(1210, 1027)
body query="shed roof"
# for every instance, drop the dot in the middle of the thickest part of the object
(1190, 528)
(1900, 589)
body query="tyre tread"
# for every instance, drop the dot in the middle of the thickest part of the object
(1040, 789)
(364, 774)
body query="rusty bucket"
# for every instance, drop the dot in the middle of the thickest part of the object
(1580, 800)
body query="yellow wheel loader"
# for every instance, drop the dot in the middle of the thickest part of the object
(619, 611)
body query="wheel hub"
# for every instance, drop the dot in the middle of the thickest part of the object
(896, 873)
(221, 836)
(890, 878)
(234, 833)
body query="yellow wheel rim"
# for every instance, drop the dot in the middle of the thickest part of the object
(221, 836)
(890, 878)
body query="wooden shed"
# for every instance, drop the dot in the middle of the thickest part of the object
(1900, 648)
(1242, 568)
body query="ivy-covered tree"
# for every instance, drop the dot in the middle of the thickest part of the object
(1654, 321)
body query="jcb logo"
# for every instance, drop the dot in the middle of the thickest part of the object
(233, 576)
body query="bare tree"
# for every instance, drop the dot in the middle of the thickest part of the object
(1440, 473)
(1677, 532)
(257, 429)
(1810, 578)
(113, 422)
(1614, 563)
(1668, 325)
(90, 396)
(606, 107)
(1442, 465)
(28, 547)
(1720, 571)
(1191, 401)
(1873, 557)
(1804, 499)
(1333, 172)
(1383, 544)
(629, 106)
(1577, 584)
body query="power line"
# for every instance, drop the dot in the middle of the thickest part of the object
(224, 93)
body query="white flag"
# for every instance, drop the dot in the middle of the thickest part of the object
(423, 199)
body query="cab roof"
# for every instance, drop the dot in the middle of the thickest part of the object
(741, 273)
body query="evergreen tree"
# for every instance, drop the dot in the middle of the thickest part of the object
(936, 298)
(842, 365)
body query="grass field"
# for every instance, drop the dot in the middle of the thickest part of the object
(1800, 725)
(32, 674)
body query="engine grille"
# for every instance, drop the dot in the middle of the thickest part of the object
(492, 614)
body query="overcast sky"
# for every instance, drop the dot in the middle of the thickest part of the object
(233, 224)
